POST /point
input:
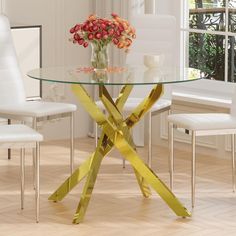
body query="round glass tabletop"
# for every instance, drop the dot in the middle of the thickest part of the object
(114, 75)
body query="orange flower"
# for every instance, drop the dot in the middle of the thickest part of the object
(120, 45)
(92, 17)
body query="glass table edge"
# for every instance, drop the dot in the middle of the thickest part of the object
(110, 84)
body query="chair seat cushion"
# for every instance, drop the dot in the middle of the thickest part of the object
(206, 121)
(36, 109)
(18, 133)
(131, 103)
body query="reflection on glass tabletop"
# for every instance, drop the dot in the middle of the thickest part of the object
(135, 75)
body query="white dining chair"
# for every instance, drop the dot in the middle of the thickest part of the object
(13, 104)
(155, 36)
(203, 124)
(21, 137)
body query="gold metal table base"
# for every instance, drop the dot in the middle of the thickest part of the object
(116, 133)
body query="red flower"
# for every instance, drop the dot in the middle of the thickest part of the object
(115, 41)
(98, 35)
(81, 41)
(111, 32)
(118, 33)
(114, 15)
(76, 37)
(95, 28)
(90, 36)
(85, 27)
(77, 27)
(72, 30)
(85, 44)
(105, 36)
(121, 28)
(104, 32)
(103, 26)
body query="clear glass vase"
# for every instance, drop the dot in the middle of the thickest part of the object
(100, 75)
(99, 56)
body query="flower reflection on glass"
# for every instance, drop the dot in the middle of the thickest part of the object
(100, 75)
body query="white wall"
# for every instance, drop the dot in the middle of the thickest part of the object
(56, 18)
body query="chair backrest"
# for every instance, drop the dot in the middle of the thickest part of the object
(233, 105)
(11, 83)
(156, 35)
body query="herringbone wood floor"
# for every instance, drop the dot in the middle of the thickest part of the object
(117, 206)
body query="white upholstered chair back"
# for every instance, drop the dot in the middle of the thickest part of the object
(156, 35)
(233, 105)
(11, 83)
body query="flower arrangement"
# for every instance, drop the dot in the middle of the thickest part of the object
(100, 32)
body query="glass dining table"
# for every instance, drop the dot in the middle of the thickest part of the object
(116, 129)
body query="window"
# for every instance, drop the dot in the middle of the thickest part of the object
(210, 29)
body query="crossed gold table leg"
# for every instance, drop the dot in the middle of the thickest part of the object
(116, 132)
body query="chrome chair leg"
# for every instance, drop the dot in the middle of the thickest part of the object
(123, 163)
(22, 175)
(233, 160)
(169, 143)
(150, 139)
(96, 134)
(34, 126)
(9, 150)
(171, 154)
(37, 160)
(193, 176)
(72, 150)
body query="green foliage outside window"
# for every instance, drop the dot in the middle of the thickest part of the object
(206, 53)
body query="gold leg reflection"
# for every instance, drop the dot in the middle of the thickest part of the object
(116, 132)
(84, 168)
(72, 181)
(117, 118)
(91, 179)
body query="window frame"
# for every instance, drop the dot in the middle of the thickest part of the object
(213, 88)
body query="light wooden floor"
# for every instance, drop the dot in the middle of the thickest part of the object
(117, 206)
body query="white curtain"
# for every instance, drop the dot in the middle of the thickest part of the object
(1, 6)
